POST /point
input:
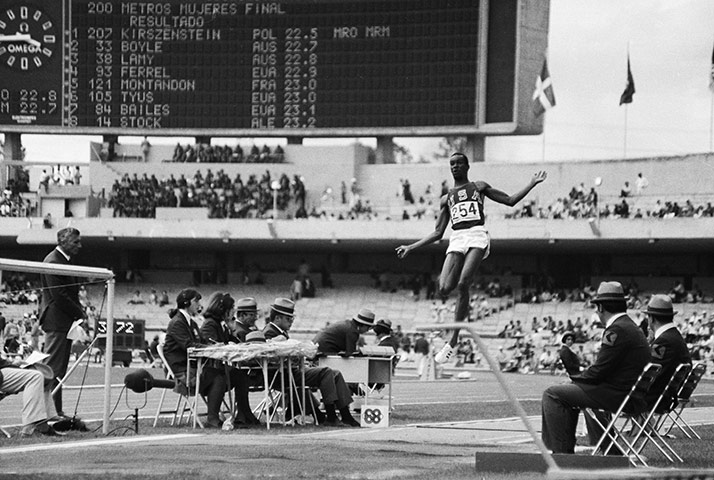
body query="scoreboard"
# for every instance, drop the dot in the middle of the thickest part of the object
(269, 68)
(128, 334)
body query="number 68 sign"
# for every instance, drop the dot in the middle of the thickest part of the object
(374, 416)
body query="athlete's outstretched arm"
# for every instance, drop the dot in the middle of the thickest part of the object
(441, 223)
(501, 197)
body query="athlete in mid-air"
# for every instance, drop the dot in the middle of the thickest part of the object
(469, 243)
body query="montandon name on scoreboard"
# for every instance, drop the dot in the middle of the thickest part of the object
(304, 67)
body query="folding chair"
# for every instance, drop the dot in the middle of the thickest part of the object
(647, 426)
(617, 435)
(683, 398)
(183, 403)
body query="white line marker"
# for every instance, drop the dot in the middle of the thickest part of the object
(94, 443)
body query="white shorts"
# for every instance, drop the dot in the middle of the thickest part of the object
(462, 241)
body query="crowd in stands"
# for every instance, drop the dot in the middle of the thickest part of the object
(222, 196)
(583, 203)
(12, 204)
(205, 153)
(18, 289)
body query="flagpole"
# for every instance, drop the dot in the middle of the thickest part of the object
(543, 146)
(624, 154)
(711, 123)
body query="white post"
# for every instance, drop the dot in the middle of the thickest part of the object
(108, 356)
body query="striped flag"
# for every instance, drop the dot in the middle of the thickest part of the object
(543, 96)
(626, 96)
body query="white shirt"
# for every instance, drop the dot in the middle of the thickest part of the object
(663, 329)
(615, 317)
(64, 254)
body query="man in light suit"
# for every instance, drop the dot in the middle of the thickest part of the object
(60, 307)
(605, 384)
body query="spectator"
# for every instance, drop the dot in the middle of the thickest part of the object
(164, 298)
(641, 183)
(626, 190)
(145, 148)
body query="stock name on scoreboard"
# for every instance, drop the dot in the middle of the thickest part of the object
(128, 334)
(321, 66)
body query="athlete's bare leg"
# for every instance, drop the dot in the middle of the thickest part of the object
(462, 282)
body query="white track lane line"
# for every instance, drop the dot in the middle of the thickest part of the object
(94, 443)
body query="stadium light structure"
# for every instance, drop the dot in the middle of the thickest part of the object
(84, 272)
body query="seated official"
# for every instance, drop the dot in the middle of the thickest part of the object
(668, 349)
(342, 337)
(336, 395)
(37, 404)
(182, 334)
(216, 329)
(605, 384)
(246, 316)
(569, 359)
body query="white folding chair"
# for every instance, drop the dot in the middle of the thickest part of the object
(626, 410)
(684, 396)
(184, 404)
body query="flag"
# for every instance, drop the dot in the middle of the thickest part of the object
(543, 96)
(626, 96)
(711, 73)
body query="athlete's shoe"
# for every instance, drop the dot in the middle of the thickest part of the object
(444, 354)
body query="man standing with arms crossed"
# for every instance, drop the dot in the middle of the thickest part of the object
(469, 243)
(60, 307)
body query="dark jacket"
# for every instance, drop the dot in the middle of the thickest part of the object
(213, 331)
(242, 330)
(389, 341)
(337, 337)
(272, 331)
(669, 350)
(624, 352)
(570, 360)
(179, 338)
(60, 298)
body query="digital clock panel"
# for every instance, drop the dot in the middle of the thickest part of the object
(294, 67)
(128, 334)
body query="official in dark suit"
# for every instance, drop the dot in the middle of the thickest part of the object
(668, 347)
(385, 337)
(246, 316)
(569, 359)
(182, 334)
(60, 307)
(342, 337)
(336, 396)
(624, 352)
(216, 329)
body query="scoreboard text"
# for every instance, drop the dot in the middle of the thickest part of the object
(293, 68)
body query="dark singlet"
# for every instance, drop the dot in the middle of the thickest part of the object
(466, 205)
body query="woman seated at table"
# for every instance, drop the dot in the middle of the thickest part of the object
(182, 334)
(216, 328)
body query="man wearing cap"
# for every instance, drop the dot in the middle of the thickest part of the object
(335, 393)
(246, 316)
(668, 347)
(569, 359)
(383, 330)
(60, 307)
(605, 384)
(342, 337)
(182, 334)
